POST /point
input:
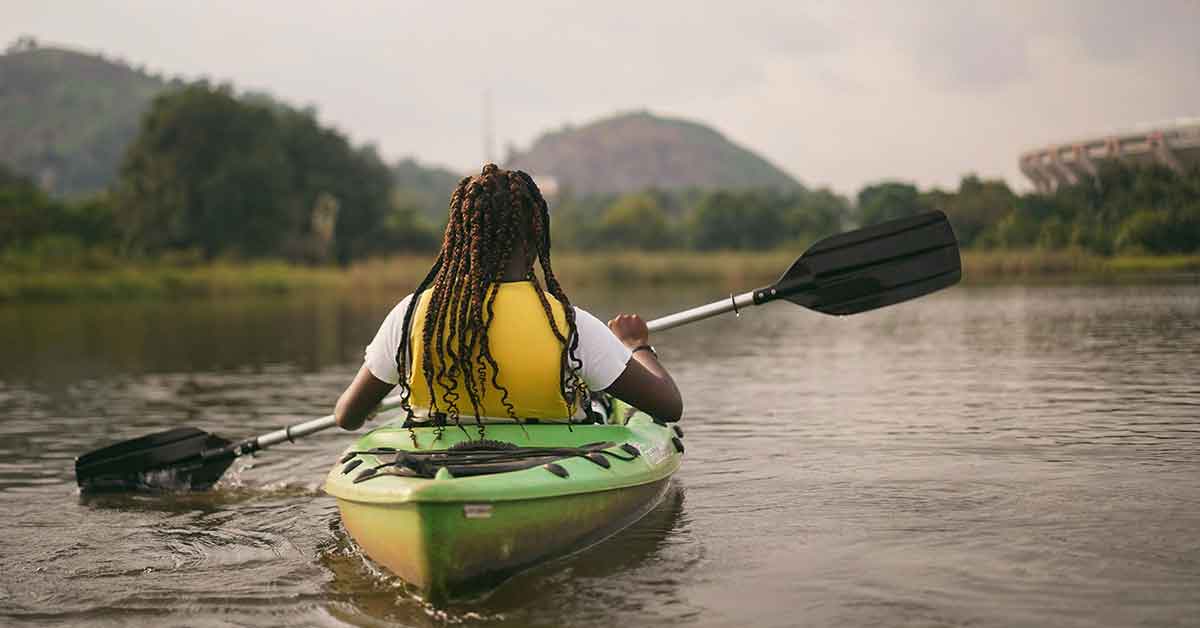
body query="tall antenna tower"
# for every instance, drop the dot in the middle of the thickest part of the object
(489, 152)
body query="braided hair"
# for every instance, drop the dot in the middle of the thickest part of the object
(489, 214)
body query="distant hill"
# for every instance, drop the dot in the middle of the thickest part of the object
(634, 151)
(425, 188)
(66, 117)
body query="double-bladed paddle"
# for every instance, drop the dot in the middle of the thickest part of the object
(848, 273)
(855, 271)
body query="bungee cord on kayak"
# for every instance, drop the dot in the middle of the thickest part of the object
(472, 459)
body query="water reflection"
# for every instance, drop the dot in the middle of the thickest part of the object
(65, 343)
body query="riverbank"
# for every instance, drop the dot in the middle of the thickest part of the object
(1056, 266)
(723, 270)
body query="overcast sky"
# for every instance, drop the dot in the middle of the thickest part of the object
(835, 93)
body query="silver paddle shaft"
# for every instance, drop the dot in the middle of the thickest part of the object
(300, 430)
(734, 303)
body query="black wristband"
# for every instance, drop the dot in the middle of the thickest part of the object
(645, 347)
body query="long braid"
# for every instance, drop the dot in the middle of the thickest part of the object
(435, 311)
(469, 335)
(570, 364)
(469, 304)
(505, 233)
(492, 247)
(488, 214)
(404, 351)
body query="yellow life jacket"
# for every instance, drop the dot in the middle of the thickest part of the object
(524, 347)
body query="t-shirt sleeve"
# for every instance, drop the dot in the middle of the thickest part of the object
(604, 356)
(380, 355)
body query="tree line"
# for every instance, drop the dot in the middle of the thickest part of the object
(1124, 209)
(215, 175)
(697, 219)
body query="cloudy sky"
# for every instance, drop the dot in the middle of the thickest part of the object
(836, 93)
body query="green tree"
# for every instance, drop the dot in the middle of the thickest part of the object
(976, 206)
(1053, 234)
(1016, 230)
(738, 220)
(39, 232)
(813, 214)
(575, 220)
(636, 221)
(406, 227)
(425, 188)
(213, 172)
(888, 200)
(25, 211)
(1161, 231)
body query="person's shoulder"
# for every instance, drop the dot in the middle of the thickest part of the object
(587, 324)
(400, 308)
(579, 311)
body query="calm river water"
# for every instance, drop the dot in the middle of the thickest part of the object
(991, 456)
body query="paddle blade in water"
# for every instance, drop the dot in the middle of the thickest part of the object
(872, 267)
(171, 460)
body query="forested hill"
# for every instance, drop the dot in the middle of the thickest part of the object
(634, 151)
(425, 188)
(66, 117)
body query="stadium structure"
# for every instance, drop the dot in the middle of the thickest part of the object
(1174, 144)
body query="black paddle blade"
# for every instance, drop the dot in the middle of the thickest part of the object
(873, 267)
(170, 460)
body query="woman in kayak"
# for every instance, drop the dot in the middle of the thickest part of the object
(489, 341)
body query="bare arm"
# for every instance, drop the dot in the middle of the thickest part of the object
(645, 383)
(360, 398)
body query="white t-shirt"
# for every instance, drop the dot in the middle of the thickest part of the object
(603, 356)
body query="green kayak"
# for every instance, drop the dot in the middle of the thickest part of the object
(455, 516)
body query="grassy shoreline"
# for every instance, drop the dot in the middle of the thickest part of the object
(722, 270)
